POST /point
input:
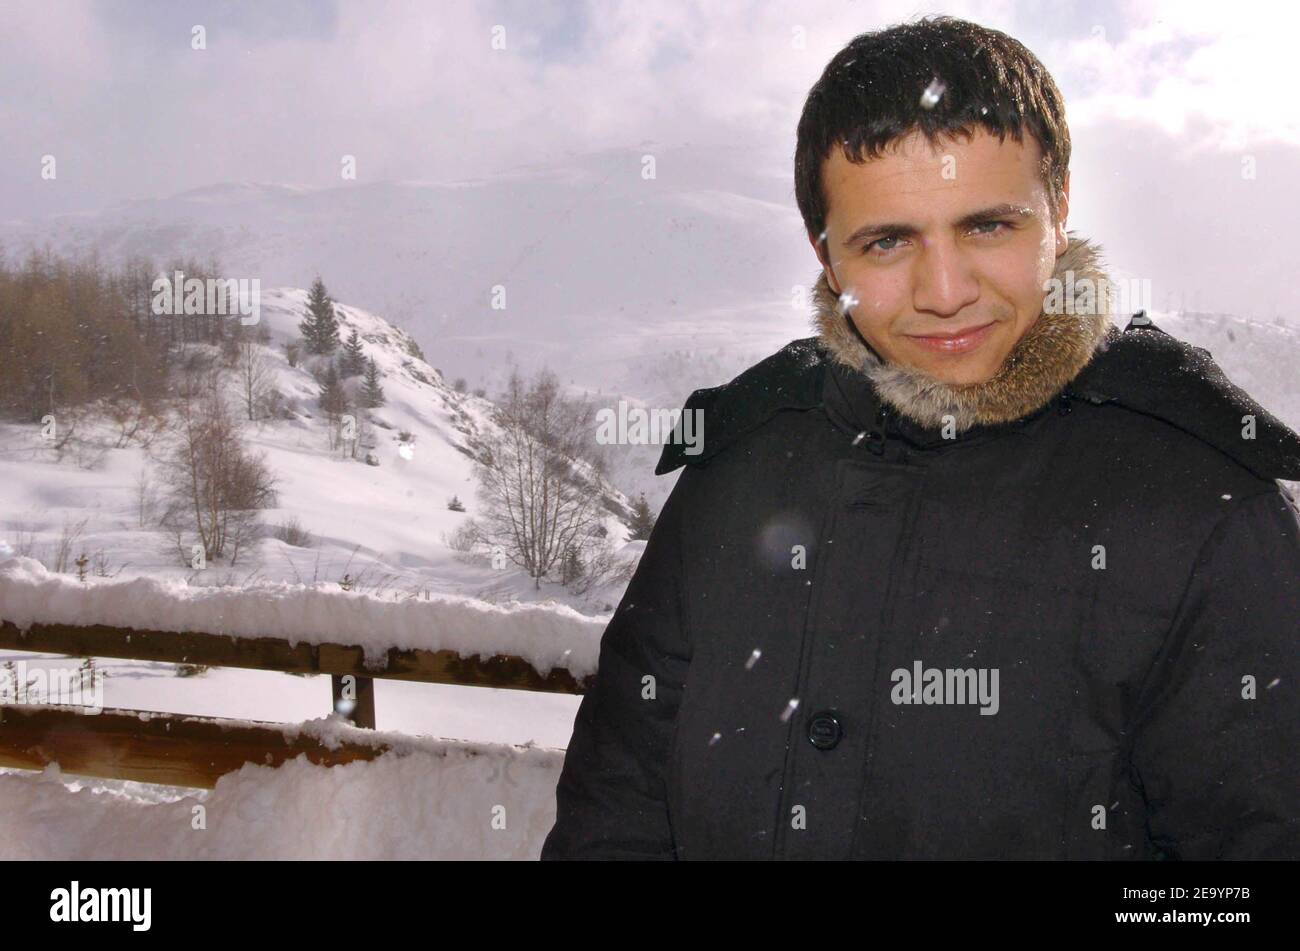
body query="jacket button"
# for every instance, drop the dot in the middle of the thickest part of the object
(824, 730)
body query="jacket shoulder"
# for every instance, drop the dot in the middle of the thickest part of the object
(788, 379)
(1149, 371)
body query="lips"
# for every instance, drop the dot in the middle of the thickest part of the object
(961, 341)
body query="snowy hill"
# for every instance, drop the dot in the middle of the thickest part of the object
(384, 525)
(604, 270)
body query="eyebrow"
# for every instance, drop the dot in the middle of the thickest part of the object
(983, 216)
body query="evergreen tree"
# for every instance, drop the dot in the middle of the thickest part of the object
(571, 567)
(353, 360)
(372, 394)
(333, 398)
(320, 328)
(642, 520)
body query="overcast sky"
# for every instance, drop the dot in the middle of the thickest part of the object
(1165, 102)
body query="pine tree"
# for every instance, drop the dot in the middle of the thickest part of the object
(353, 360)
(571, 566)
(372, 394)
(333, 398)
(320, 328)
(642, 520)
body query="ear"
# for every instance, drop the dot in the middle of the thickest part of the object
(1063, 213)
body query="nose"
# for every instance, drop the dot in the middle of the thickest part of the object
(943, 280)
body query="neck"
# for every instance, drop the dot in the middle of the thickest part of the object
(1051, 353)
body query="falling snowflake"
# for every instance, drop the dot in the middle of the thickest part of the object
(933, 92)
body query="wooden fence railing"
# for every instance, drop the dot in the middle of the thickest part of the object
(196, 751)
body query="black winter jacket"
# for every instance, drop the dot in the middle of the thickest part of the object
(1073, 636)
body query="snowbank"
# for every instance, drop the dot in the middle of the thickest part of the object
(425, 799)
(546, 635)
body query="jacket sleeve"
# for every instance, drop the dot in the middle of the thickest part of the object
(1215, 760)
(611, 799)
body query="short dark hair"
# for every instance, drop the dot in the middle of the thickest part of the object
(870, 95)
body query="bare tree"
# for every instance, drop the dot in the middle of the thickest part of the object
(134, 411)
(362, 436)
(67, 539)
(254, 371)
(24, 540)
(214, 485)
(537, 495)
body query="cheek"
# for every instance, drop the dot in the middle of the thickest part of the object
(1030, 302)
(881, 298)
(1019, 281)
(1045, 265)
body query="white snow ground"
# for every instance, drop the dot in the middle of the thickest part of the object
(430, 799)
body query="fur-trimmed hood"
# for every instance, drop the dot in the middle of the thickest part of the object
(1050, 354)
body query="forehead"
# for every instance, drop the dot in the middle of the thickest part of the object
(912, 176)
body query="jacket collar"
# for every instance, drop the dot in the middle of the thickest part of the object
(1051, 353)
(853, 404)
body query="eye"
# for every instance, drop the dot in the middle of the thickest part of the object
(884, 247)
(876, 248)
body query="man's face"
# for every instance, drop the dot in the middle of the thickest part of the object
(958, 241)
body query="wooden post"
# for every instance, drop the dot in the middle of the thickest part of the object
(363, 691)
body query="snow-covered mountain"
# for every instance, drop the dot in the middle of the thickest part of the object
(606, 272)
(385, 525)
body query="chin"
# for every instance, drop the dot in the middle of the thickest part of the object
(962, 377)
(959, 370)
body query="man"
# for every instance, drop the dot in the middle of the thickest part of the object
(972, 573)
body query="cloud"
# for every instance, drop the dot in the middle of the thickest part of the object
(417, 91)
(1224, 80)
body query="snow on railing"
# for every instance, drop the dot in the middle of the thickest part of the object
(546, 635)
